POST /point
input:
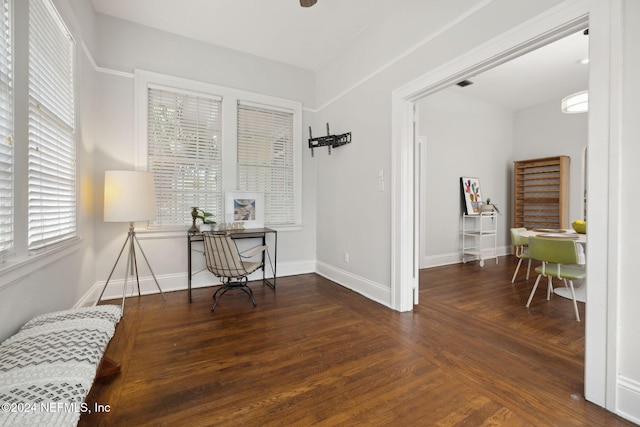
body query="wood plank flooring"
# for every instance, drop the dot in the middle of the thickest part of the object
(314, 353)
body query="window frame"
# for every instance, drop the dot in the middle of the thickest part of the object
(266, 161)
(48, 243)
(230, 98)
(7, 248)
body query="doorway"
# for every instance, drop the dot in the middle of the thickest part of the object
(478, 129)
(600, 362)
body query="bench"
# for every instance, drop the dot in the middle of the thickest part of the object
(48, 367)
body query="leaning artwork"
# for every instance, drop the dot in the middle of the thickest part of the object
(472, 197)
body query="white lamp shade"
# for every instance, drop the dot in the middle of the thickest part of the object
(576, 103)
(129, 196)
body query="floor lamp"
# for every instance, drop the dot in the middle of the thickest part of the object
(129, 196)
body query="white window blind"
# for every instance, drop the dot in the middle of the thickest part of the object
(52, 151)
(185, 154)
(6, 131)
(265, 159)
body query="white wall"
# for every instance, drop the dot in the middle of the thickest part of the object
(469, 137)
(124, 47)
(628, 292)
(372, 145)
(464, 137)
(38, 283)
(360, 102)
(108, 51)
(340, 190)
(544, 131)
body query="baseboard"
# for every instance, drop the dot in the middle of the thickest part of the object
(368, 288)
(628, 399)
(178, 282)
(456, 257)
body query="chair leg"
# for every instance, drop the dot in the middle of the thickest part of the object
(533, 291)
(575, 303)
(229, 286)
(528, 268)
(516, 272)
(549, 287)
(247, 290)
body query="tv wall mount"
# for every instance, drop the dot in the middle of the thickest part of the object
(329, 141)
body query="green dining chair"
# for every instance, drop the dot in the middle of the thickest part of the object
(559, 258)
(521, 244)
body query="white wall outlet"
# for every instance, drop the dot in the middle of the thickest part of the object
(346, 257)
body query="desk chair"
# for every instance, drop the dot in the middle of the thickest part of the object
(558, 257)
(225, 261)
(520, 243)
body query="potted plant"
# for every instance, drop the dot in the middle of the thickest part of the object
(204, 216)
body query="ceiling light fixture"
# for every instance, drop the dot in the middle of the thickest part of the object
(576, 103)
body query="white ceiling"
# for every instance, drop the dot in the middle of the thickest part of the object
(283, 31)
(280, 30)
(550, 72)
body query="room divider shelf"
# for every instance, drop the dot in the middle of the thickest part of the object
(541, 192)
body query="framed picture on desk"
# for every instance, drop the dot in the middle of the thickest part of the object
(246, 207)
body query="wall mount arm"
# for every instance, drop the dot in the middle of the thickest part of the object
(329, 141)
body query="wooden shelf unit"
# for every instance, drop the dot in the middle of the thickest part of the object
(541, 192)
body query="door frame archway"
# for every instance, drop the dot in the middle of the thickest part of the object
(569, 17)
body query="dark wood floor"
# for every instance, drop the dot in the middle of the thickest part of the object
(313, 352)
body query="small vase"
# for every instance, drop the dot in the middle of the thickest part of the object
(205, 227)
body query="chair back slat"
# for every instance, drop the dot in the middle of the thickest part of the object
(221, 255)
(557, 251)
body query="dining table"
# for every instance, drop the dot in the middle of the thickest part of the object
(563, 233)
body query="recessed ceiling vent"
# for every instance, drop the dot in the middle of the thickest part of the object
(464, 83)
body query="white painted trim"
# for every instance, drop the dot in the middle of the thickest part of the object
(95, 66)
(628, 396)
(15, 269)
(600, 359)
(403, 270)
(407, 52)
(230, 98)
(456, 258)
(369, 289)
(178, 282)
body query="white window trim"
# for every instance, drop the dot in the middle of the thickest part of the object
(230, 98)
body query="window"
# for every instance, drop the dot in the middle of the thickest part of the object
(201, 140)
(184, 153)
(52, 150)
(265, 159)
(6, 131)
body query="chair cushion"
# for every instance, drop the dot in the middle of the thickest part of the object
(569, 272)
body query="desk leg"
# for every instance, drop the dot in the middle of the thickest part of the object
(272, 283)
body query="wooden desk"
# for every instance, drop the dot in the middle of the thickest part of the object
(248, 233)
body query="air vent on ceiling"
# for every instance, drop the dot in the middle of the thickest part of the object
(464, 83)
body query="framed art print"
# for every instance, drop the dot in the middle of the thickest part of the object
(246, 207)
(471, 193)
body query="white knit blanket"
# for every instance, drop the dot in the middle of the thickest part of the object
(48, 367)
